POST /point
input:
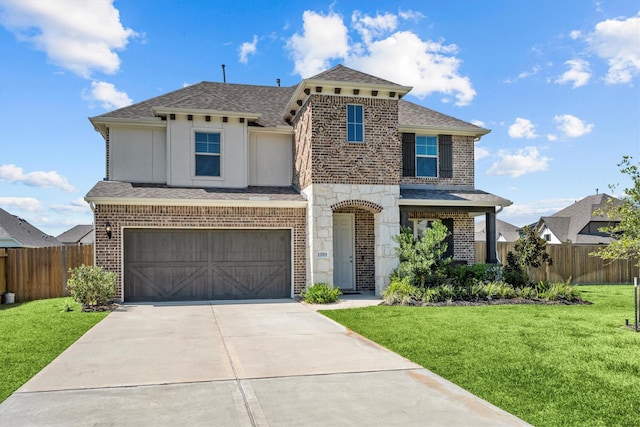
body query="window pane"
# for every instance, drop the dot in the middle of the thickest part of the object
(426, 166)
(432, 146)
(208, 165)
(355, 126)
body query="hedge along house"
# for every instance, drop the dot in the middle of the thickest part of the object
(228, 191)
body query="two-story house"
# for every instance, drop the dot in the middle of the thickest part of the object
(230, 191)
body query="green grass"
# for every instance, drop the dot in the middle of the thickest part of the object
(551, 365)
(33, 334)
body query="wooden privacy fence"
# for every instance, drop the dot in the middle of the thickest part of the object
(39, 273)
(572, 261)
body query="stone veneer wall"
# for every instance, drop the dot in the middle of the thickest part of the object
(320, 227)
(108, 252)
(463, 165)
(322, 150)
(463, 233)
(365, 240)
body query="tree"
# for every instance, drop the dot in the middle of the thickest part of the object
(530, 253)
(421, 260)
(627, 231)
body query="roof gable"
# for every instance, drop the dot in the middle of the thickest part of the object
(340, 73)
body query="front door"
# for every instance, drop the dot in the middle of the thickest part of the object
(344, 251)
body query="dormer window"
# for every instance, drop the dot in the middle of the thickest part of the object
(355, 123)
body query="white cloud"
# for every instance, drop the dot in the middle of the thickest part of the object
(78, 205)
(411, 15)
(247, 48)
(324, 37)
(578, 73)
(523, 161)
(80, 36)
(41, 179)
(575, 34)
(376, 26)
(552, 137)
(480, 153)
(107, 95)
(572, 126)
(25, 204)
(478, 123)
(401, 57)
(617, 41)
(522, 128)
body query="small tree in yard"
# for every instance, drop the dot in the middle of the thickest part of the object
(91, 286)
(627, 231)
(421, 260)
(530, 253)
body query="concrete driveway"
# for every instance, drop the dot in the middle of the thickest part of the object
(276, 363)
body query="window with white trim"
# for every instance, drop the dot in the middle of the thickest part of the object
(207, 151)
(426, 156)
(355, 123)
(419, 225)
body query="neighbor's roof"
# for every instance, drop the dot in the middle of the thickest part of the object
(450, 197)
(77, 234)
(504, 229)
(17, 232)
(568, 223)
(269, 102)
(114, 192)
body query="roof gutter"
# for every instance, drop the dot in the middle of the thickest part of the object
(252, 202)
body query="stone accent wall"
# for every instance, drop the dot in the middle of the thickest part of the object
(376, 161)
(108, 252)
(365, 257)
(386, 224)
(463, 165)
(463, 233)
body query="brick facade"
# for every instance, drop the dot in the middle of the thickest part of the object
(322, 150)
(109, 251)
(463, 165)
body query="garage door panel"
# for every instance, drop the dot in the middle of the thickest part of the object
(164, 265)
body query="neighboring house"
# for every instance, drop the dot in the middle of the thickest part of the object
(225, 191)
(77, 235)
(505, 232)
(578, 223)
(16, 232)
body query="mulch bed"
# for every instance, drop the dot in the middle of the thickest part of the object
(514, 301)
(112, 306)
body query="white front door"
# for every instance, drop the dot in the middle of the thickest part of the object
(344, 251)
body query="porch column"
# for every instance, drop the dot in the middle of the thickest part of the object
(491, 257)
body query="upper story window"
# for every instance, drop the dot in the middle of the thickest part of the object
(355, 123)
(207, 154)
(427, 156)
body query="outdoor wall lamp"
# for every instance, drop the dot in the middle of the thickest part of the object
(107, 229)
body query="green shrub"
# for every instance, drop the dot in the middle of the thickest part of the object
(527, 293)
(561, 291)
(91, 286)
(320, 293)
(401, 291)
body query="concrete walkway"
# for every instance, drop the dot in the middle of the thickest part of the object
(276, 363)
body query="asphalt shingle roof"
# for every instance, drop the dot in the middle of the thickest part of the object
(340, 73)
(126, 190)
(270, 102)
(568, 223)
(508, 231)
(78, 234)
(458, 196)
(15, 228)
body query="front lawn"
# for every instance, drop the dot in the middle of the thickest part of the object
(34, 333)
(551, 365)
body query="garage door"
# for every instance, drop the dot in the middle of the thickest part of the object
(190, 265)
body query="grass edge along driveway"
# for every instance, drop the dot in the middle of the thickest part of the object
(34, 333)
(551, 365)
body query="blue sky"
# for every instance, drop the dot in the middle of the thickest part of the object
(557, 82)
